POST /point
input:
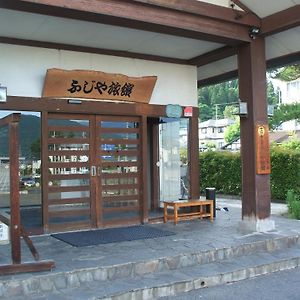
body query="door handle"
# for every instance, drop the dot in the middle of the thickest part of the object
(93, 171)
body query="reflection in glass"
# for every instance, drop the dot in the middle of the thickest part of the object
(109, 124)
(113, 170)
(68, 134)
(120, 192)
(125, 136)
(65, 171)
(69, 195)
(68, 122)
(70, 182)
(118, 147)
(68, 158)
(119, 158)
(116, 181)
(67, 147)
(127, 203)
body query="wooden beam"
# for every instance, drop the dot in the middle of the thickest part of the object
(246, 9)
(277, 62)
(206, 9)
(128, 13)
(86, 107)
(218, 78)
(85, 49)
(281, 21)
(213, 56)
(284, 60)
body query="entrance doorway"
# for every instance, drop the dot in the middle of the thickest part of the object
(91, 171)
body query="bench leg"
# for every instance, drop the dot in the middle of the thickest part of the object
(211, 206)
(165, 212)
(175, 214)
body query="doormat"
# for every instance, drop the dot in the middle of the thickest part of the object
(111, 235)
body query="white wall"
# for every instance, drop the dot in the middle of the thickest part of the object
(23, 69)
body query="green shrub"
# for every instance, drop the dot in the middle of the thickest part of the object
(293, 203)
(285, 172)
(221, 170)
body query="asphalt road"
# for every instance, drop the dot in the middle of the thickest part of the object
(283, 285)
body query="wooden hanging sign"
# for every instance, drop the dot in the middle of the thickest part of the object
(97, 85)
(263, 164)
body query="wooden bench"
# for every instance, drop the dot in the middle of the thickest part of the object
(198, 213)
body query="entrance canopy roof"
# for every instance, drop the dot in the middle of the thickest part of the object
(201, 33)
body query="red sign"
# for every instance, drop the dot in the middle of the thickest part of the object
(188, 111)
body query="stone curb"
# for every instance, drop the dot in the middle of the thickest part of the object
(179, 287)
(74, 279)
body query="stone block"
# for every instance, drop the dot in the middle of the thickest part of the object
(72, 280)
(146, 267)
(31, 286)
(100, 274)
(13, 288)
(60, 282)
(85, 276)
(46, 284)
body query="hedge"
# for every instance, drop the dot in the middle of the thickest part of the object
(285, 172)
(222, 170)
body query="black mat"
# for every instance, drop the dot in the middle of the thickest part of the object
(111, 235)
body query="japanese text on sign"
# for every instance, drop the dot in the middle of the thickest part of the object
(96, 85)
(262, 150)
(114, 88)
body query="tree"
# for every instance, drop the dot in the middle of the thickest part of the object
(35, 149)
(232, 132)
(283, 113)
(230, 112)
(291, 144)
(223, 93)
(287, 73)
(205, 112)
(272, 96)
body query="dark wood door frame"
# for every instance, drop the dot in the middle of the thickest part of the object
(144, 111)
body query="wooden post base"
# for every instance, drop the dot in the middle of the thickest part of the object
(27, 267)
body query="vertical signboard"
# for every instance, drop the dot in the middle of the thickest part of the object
(263, 165)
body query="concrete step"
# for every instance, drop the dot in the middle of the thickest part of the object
(159, 271)
(171, 283)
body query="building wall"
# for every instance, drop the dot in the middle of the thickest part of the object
(289, 93)
(23, 70)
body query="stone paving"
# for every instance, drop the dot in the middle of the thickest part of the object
(75, 266)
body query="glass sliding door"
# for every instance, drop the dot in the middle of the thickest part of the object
(118, 165)
(173, 153)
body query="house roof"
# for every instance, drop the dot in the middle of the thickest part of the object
(281, 136)
(216, 123)
(201, 33)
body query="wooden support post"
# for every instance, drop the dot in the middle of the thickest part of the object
(15, 229)
(155, 160)
(252, 89)
(193, 148)
(44, 168)
(144, 168)
(13, 220)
